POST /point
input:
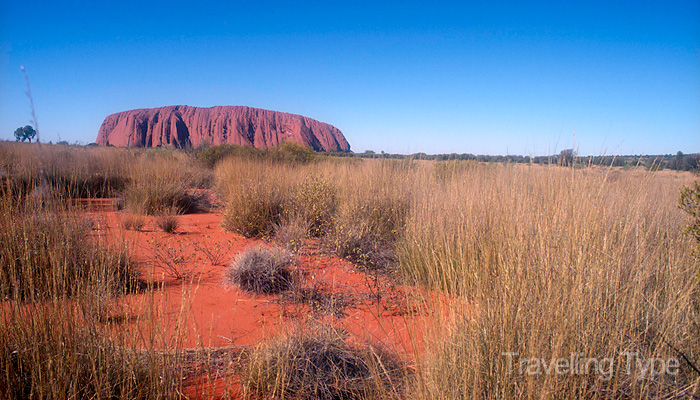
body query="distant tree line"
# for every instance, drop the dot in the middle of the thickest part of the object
(568, 157)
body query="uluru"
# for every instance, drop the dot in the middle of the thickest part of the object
(184, 126)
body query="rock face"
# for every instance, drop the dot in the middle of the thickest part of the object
(181, 126)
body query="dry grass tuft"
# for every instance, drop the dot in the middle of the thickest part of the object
(167, 223)
(319, 363)
(50, 352)
(314, 202)
(133, 222)
(262, 270)
(254, 212)
(256, 193)
(291, 234)
(165, 183)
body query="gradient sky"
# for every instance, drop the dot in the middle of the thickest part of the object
(484, 78)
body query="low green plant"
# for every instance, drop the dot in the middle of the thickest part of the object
(286, 152)
(213, 154)
(173, 261)
(214, 251)
(291, 234)
(360, 245)
(292, 153)
(367, 231)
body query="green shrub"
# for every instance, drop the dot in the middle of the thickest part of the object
(361, 246)
(291, 152)
(367, 231)
(291, 234)
(285, 152)
(384, 216)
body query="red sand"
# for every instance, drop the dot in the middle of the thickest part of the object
(199, 310)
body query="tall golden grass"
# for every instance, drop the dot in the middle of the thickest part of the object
(556, 262)
(72, 171)
(552, 261)
(56, 282)
(545, 263)
(163, 181)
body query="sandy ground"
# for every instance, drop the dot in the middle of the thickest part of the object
(194, 308)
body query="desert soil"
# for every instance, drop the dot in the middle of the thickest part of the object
(194, 308)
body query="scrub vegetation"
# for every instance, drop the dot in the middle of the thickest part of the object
(549, 264)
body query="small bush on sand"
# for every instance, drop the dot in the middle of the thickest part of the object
(262, 270)
(291, 153)
(286, 152)
(167, 223)
(319, 363)
(212, 155)
(384, 215)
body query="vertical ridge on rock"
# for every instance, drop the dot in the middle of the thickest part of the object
(182, 126)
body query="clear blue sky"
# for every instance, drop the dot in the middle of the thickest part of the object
(482, 78)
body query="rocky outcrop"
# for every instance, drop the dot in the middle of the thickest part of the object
(182, 126)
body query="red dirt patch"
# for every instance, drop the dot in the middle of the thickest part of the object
(193, 308)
